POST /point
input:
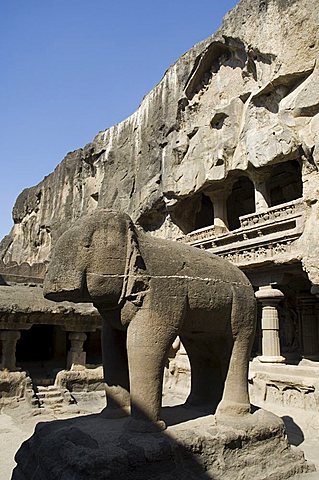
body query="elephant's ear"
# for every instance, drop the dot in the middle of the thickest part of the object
(137, 278)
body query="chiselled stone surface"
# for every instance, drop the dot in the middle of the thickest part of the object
(88, 448)
(245, 98)
(80, 379)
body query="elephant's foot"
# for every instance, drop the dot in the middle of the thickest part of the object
(111, 413)
(145, 426)
(232, 410)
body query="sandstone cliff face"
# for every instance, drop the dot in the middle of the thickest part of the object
(242, 100)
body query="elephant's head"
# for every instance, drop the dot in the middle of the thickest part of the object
(89, 260)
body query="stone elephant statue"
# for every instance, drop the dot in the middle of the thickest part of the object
(148, 291)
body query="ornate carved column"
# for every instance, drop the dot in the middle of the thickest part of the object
(220, 209)
(9, 342)
(309, 326)
(269, 298)
(76, 355)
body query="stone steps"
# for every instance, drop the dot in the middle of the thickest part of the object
(50, 397)
(31, 395)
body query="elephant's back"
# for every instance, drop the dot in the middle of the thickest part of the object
(171, 258)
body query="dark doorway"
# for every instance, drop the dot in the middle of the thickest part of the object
(36, 344)
(93, 348)
(285, 183)
(42, 352)
(240, 202)
(205, 213)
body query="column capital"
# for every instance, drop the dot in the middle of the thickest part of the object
(269, 295)
(10, 335)
(77, 336)
(220, 194)
(260, 176)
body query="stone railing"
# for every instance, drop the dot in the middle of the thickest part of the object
(261, 237)
(273, 214)
(202, 235)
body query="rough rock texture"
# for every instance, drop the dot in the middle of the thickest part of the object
(243, 99)
(86, 448)
(14, 385)
(80, 379)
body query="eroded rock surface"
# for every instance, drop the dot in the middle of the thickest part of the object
(244, 99)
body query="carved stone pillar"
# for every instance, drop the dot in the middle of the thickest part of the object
(9, 342)
(269, 298)
(309, 326)
(261, 196)
(76, 355)
(220, 210)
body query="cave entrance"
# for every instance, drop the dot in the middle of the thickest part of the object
(240, 202)
(204, 216)
(285, 183)
(42, 352)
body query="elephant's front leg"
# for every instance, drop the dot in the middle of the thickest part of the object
(148, 341)
(115, 369)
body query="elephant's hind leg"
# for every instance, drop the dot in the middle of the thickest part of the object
(235, 399)
(207, 372)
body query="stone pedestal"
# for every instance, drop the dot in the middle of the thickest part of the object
(9, 340)
(309, 326)
(269, 298)
(91, 447)
(76, 355)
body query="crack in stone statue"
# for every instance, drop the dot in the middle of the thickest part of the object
(148, 291)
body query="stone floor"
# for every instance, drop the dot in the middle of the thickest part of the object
(17, 424)
(303, 432)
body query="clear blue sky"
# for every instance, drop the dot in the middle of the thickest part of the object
(70, 68)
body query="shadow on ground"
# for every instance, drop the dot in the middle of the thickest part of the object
(294, 433)
(179, 414)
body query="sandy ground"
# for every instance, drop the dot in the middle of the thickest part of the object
(17, 424)
(18, 421)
